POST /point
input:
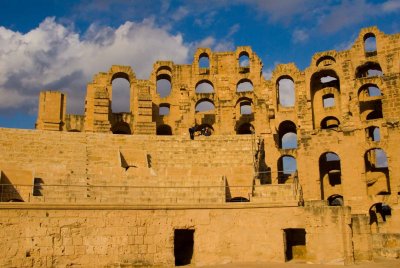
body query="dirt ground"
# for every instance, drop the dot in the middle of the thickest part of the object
(378, 263)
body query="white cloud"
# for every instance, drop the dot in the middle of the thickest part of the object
(299, 36)
(391, 5)
(55, 57)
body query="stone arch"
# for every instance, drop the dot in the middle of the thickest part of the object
(373, 133)
(287, 135)
(330, 174)
(325, 61)
(370, 44)
(244, 59)
(244, 85)
(164, 130)
(121, 92)
(287, 168)
(204, 105)
(164, 109)
(285, 91)
(368, 69)
(370, 102)
(121, 128)
(204, 86)
(378, 214)
(245, 129)
(330, 122)
(244, 106)
(335, 200)
(377, 172)
(163, 85)
(204, 60)
(323, 83)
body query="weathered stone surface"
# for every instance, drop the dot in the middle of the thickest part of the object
(117, 199)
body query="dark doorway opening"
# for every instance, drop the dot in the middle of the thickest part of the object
(295, 244)
(183, 246)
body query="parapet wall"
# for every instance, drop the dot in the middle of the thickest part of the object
(99, 236)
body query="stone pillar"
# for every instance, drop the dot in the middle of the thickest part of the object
(52, 109)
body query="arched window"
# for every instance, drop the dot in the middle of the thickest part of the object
(326, 61)
(121, 94)
(287, 135)
(121, 128)
(204, 105)
(204, 86)
(325, 92)
(245, 108)
(164, 85)
(286, 93)
(330, 174)
(330, 122)
(287, 167)
(328, 100)
(335, 200)
(245, 128)
(370, 44)
(369, 69)
(377, 172)
(164, 130)
(164, 109)
(373, 133)
(378, 214)
(244, 85)
(204, 61)
(244, 60)
(374, 91)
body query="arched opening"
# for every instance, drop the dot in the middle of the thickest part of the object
(164, 109)
(204, 105)
(326, 61)
(328, 100)
(204, 86)
(335, 200)
(374, 91)
(239, 199)
(74, 130)
(205, 129)
(325, 92)
(370, 44)
(244, 85)
(164, 130)
(330, 122)
(373, 133)
(164, 85)
(286, 92)
(378, 214)
(244, 60)
(377, 172)
(245, 108)
(330, 174)
(287, 167)
(287, 135)
(120, 94)
(121, 128)
(369, 69)
(245, 128)
(204, 61)
(370, 102)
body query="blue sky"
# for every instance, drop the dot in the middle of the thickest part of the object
(60, 45)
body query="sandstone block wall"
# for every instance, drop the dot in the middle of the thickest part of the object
(96, 236)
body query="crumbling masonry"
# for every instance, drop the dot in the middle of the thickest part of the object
(302, 166)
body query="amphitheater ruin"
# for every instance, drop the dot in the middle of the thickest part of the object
(304, 166)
